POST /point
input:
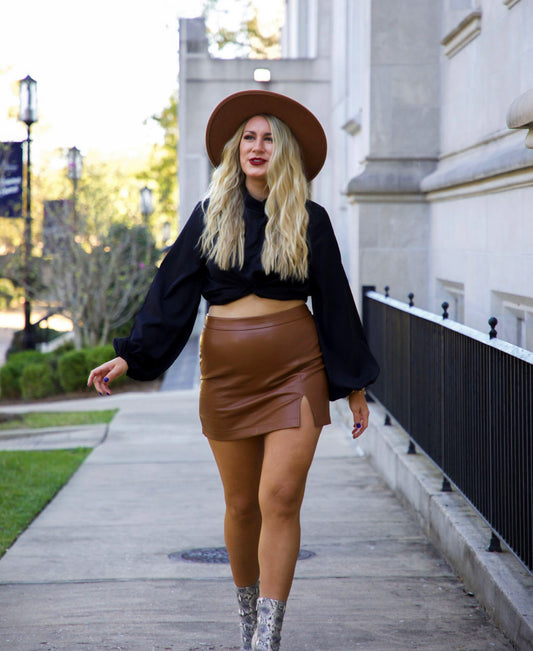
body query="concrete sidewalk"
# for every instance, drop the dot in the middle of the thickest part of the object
(93, 571)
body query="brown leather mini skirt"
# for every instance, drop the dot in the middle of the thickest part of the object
(255, 372)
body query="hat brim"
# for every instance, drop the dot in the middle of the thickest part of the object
(232, 111)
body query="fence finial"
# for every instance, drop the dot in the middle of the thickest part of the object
(495, 544)
(493, 322)
(387, 291)
(445, 307)
(411, 296)
(446, 486)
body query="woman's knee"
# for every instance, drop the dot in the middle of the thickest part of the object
(243, 508)
(282, 500)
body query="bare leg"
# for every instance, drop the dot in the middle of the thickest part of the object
(239, 464)
(287, 458)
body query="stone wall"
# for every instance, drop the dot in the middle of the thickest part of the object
(481, 193)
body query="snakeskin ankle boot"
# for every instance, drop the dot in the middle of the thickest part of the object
(270, 614)
(247, 599)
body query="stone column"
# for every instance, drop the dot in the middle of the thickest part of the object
(401, 129)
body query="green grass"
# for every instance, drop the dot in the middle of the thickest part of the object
(28, 481)
(36, 419)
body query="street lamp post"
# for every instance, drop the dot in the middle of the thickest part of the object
(75, 164)
(28, 115)
(147, 207)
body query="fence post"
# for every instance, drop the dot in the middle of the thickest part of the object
(495, 544)
(493, 322)
(446, 486)
(365, 289)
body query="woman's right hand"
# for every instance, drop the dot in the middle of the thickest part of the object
(102, 375)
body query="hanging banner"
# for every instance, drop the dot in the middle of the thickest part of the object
(10, 179)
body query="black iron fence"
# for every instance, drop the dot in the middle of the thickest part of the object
(467, 401)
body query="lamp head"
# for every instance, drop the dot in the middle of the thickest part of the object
(28, 100)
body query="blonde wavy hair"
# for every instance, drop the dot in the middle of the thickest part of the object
(285, 250)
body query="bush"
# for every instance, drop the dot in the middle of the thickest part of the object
(66, 370)
(24, 357)
(60, 350)
(10, 381)
(98, 355)
(37, 381)
(11, 372)
(73, 370)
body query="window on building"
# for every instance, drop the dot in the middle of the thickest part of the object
(454, 294)
(515, 318)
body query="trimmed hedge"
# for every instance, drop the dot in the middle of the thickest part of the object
(32, 375)
(38, 381)
(98, 355)
(11, 372)
(10, 381)
(73, 370)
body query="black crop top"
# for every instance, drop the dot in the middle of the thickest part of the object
(166, 319)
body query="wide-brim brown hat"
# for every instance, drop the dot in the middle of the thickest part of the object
(239, 107)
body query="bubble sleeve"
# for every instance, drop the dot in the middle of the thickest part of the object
(349, 363)
(165, 321)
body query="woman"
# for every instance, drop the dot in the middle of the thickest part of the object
(256, 248)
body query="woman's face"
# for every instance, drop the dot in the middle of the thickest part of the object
(256, 149)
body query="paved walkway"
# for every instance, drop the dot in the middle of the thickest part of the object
(93, 571)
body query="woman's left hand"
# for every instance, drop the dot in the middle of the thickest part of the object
(360, 411)
(102, 375)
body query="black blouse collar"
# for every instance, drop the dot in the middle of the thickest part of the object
(252, 204)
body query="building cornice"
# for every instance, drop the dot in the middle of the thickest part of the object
(414, 180)
(466, 31)
(390, 180)
(502, 169)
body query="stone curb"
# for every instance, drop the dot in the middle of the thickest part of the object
(501, 584)
(9, 434)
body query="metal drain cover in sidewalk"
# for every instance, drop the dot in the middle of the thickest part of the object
(218, 555)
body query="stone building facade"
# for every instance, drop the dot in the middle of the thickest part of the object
(428, 188)
(481, 192)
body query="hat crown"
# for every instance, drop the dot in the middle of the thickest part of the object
(235, 109)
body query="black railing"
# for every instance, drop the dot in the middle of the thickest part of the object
(467, 401)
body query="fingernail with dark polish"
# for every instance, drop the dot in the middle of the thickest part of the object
(106, 379)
